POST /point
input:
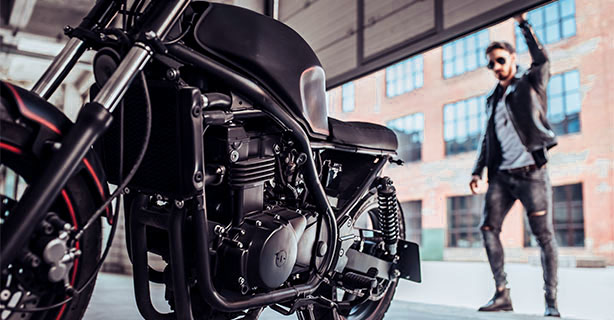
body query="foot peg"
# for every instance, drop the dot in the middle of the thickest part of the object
(354, 280)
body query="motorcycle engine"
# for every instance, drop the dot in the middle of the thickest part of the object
(263, 250)
(268, 235)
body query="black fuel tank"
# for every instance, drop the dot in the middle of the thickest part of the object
(269, 50)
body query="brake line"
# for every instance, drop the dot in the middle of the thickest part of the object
(117, 194)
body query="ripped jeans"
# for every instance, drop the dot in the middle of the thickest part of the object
(534, 191)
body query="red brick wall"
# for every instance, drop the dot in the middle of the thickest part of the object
(586, 157)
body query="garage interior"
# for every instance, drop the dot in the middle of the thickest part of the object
(360, 43)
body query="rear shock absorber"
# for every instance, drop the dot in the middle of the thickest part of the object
(388, 213)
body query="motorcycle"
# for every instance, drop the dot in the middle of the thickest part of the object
(211, 122)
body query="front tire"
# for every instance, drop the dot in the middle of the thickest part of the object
(24, 285)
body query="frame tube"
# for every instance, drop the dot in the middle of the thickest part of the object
(260, 97)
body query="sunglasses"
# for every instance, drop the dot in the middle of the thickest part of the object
(491, 63)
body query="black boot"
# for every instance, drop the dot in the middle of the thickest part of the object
(500, 302)
(551, 308)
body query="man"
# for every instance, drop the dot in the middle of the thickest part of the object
(514, 148)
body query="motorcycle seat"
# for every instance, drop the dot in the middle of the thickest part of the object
(362, 134)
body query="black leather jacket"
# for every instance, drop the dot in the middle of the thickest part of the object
(526, 104)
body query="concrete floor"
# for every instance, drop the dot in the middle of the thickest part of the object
(450, 290)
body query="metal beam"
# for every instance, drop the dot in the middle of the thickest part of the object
(432, 38)
(21, 12)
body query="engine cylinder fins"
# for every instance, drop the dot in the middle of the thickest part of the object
(388, 214)
(252, 171)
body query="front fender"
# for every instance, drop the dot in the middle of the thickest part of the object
(52, 123)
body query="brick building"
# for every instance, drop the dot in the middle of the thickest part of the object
(435, 102)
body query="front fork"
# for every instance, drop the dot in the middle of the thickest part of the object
(94, 118)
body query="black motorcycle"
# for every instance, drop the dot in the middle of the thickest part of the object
(211, 123)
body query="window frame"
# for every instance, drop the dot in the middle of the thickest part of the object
(348, 90)
(475, 211)
(392, 72)
(411, 232)
(570, 123)
(410, 133)
(570, 226)
(541, 26)
(479, 49)
(472, 136)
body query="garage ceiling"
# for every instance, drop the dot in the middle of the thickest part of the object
(355, 37)
(351, 37)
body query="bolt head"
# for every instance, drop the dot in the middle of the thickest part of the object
(172, 74)
(35, 262)
(179, 204)
(5, 294)
(234, 156)
(258, 223)
(198, 176)
(149, 35)
(322, 248)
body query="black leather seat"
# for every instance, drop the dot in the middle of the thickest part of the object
(362, 134)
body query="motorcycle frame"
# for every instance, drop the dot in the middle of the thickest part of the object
(95, 117)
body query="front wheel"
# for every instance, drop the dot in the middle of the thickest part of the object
(32, 281)
(369, 309)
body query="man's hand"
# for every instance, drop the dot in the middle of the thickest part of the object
(473, 185)
(521, 17)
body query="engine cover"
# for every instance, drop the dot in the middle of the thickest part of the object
(263, 249)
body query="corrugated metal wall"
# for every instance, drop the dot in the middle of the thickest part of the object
(355, 37)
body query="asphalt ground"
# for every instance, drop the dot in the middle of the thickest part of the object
(450, 290)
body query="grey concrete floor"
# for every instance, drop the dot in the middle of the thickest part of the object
(450, 290)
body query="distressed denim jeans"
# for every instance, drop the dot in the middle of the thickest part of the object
(534, 191)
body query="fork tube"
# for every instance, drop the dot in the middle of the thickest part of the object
(94, 118)
(101, 15)
(59, 68)
(114, 89)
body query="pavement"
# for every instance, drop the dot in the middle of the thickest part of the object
(449, 290)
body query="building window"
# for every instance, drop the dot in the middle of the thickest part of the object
(410, 133)
(330, 101)
(463, 123)
(412, 210)
(347, 97)
(564, 102)
(551, 23)
(465, 54)
(464, 216)
(568, 217)
(405, 76)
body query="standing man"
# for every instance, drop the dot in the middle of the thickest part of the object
(514, 149)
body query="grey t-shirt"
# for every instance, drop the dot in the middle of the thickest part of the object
(514, 154)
